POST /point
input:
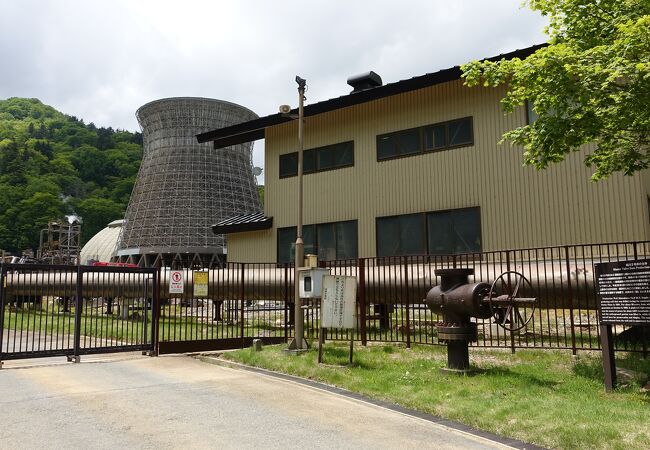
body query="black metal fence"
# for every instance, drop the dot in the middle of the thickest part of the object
(62, 310)
(58, 310)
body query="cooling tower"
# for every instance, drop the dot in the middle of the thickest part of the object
(184, 187)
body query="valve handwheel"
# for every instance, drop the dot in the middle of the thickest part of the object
(506, 304)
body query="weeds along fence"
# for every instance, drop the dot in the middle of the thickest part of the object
(244, 301)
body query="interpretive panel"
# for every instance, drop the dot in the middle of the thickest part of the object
(338, 309)
(624, 291)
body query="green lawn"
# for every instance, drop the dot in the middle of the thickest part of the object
(548, 398)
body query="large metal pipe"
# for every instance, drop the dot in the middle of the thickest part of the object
(552, 284)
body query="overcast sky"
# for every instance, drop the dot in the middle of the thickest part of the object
(100, 60)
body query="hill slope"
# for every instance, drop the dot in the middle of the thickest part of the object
(52, 164)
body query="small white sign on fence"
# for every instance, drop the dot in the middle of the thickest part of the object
(176, 282)
(339, 301)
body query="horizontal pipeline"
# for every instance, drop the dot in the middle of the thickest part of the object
(384, 284)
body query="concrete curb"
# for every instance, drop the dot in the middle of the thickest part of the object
(457, 426)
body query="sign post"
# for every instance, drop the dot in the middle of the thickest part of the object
(338, 308)
(623, 289)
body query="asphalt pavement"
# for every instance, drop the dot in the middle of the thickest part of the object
(133, 401)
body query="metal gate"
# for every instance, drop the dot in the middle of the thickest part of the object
(57, 310)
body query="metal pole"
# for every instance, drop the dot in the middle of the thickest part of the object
(299, 342)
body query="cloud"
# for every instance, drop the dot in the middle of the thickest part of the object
(100, 60)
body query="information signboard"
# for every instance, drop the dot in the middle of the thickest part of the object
(623, 288)
(624, 292)
(200, 284)
(176, 282)
(338, 308)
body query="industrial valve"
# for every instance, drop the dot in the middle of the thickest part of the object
(458, 301)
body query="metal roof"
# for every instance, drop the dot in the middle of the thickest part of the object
(254, 129)
(244, 222)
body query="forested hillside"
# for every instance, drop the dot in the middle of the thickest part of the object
(52, 164)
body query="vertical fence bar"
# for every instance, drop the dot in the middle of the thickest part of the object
(286, 301)
(570, 292)
(77, 314)
(512, 333)
(406, 299)
(2, 309)
(362, 300)
(242, 291)
(155, 312)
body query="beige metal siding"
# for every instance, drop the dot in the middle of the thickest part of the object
(520, 207)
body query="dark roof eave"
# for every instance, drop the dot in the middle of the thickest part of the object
(243, 227)
(254, 129)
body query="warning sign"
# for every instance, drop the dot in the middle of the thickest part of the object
(200, 284)
(176, 282)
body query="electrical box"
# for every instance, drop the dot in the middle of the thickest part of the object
(311, 282)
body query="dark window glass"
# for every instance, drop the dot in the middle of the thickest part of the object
(346, 240)
(286, 243)
(325, 158)
(531, 115)
(309, 240)
(344, 154)
(460, 132)
(409, 142)
(434, 137)
(327, 242)
(289, 165)
(308, 161)
(330, 241)
(401, 235)
(316, 159)
(386, 146)
(454, 231)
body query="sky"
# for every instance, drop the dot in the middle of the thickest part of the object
(100, 60)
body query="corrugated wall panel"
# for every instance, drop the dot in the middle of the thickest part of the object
(520, 207)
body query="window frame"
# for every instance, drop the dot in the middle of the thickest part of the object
(315, 152)
(425, 215)
(315, 232)
(422, 144)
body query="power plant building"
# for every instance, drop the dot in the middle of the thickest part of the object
(414, 167)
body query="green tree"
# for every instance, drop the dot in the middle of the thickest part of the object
(96, 213)
(591, 84)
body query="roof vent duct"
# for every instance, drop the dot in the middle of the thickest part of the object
(364, 81)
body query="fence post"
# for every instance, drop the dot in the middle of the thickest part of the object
(2, 307)
(512, 333)
(286, 302)
(406, 298)
(155, 312)
(574, 350)
(77, 315)
(241, 297)
(644, 333)
(362, 300)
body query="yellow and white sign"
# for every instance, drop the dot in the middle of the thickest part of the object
(200, 284)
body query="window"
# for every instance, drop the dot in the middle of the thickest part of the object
(434, 233)
(531, 115)
(401, 235)
(318, 159)
(330, 241)
(439, 136)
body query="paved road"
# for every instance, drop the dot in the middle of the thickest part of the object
(132, 401)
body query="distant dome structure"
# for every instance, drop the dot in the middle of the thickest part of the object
(101, 247)
(184, 187)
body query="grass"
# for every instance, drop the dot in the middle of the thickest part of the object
(96, 324)
(547, 398)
